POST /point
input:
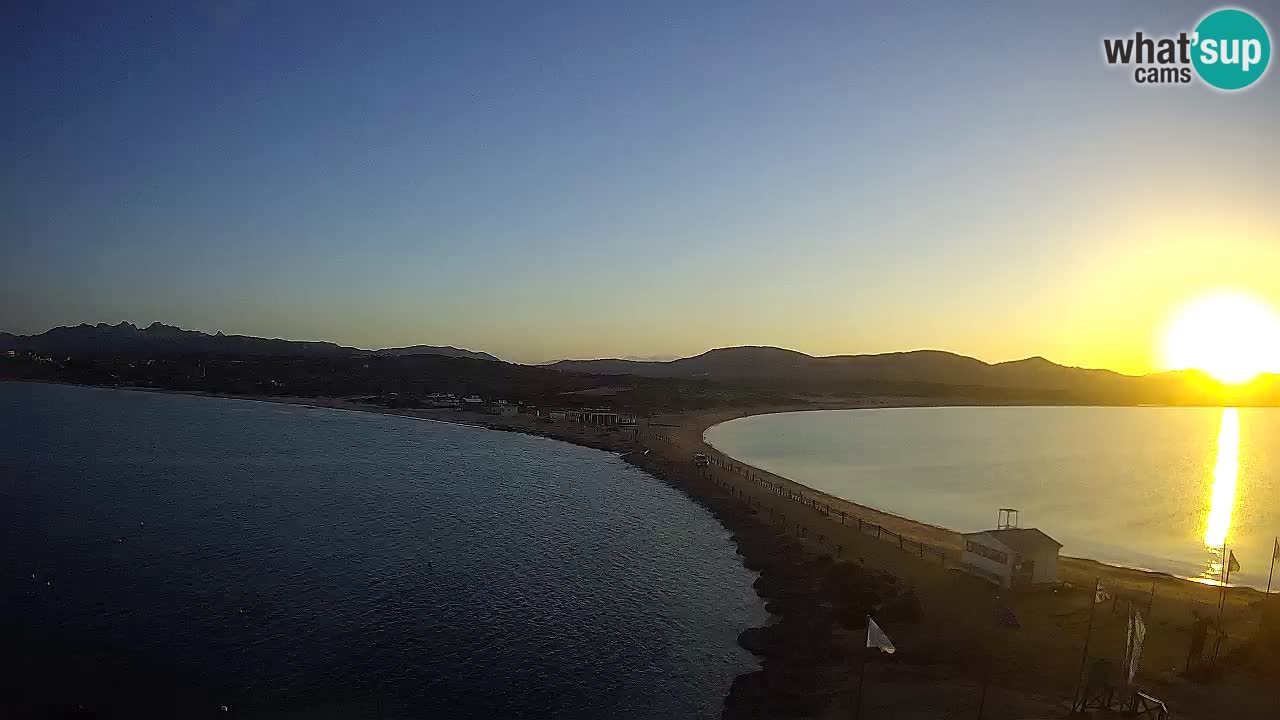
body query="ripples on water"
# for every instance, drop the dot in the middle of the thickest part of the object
(1154, 488)
(189, 553)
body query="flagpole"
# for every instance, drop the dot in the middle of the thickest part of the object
(1222, 595)
(1222, 600)
(1084, 655)
(986, 681)
(1273, 566)
(862, 674)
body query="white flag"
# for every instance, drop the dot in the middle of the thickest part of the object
(1101, 595)
(1137, 635)
(877, 639)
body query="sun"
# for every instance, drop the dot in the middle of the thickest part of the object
(1228, 334)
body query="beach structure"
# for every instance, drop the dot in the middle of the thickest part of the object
(1010, 556)
(590, 416)
(502, 409)
(607, 416)
(442, 400)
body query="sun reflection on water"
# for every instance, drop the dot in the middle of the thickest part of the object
(1226, 473)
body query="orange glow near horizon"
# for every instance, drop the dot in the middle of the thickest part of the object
(1230, 335)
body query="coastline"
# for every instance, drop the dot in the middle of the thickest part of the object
(949, 535)
(818, 597)
(1035, 654)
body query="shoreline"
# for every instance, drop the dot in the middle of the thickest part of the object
(818, 584)
(1117, 566)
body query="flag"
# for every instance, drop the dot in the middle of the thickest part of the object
(1232, 565)
(1006, 618)
(1137, 633)
(877, 639)
(1101, 596)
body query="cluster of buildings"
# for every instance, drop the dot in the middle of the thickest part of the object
(474, 403)
(588, 416)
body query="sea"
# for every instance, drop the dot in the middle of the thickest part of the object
(1155, 488)
(177, 556)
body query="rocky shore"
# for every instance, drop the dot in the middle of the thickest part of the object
(817, 606)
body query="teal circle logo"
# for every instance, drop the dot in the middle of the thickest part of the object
(1231, 49)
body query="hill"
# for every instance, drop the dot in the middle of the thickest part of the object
(159, 340)
(446, 351)
(936, 372)
(919, 366)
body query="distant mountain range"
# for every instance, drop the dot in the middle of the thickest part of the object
(928, 372)
(126, 339)
(920, 366)
(798, 371)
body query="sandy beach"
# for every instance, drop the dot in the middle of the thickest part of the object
(826, 563)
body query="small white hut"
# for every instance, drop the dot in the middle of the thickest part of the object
(1011, 556)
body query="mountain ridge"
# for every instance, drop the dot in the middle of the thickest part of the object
(758, 366)
(126, 339)
(917, 366)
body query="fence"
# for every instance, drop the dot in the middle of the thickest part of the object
(865, 528)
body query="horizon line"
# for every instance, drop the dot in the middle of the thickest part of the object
(623, 359)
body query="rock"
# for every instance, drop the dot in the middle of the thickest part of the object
(758, 641)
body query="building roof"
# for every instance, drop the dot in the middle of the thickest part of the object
(1022, 539)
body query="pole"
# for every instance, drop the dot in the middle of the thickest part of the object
(862, 674)
(1226, 569)
(1222, 600)
(1151, 599)
(1084, 654)
(1273, 567)
(986, 681)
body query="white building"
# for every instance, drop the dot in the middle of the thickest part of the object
(442, 400)
(1011, 557)
(605, 416)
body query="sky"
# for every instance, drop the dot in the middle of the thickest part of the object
(551, 180)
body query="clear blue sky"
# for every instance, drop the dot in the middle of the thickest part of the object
(546, 180)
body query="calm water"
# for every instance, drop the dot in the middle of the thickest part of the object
(178, 554)
(1143, 487)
